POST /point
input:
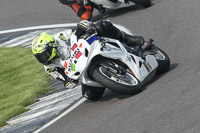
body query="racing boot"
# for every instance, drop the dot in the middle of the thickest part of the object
(144, 3)
(129, 39)
(106, 28)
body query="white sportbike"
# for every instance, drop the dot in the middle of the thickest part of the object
(101, 5)
(104, 62)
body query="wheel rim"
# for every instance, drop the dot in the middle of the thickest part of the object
(125, 79)
(159, 55)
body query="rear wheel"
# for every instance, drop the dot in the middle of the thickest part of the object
(144, 3)
(163, 61)
(124, 83)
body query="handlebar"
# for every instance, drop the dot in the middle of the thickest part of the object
(150, 41)
(85, 2)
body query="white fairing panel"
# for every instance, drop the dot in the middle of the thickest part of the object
(84, 50)
(141, 68)
(109, 4)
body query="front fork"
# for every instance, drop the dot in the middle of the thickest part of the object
(115, 68)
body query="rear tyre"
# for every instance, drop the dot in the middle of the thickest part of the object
(163, 61)
(125, 84)
(92, 93)
(144, 3)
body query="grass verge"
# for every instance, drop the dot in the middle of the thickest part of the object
(22, 80)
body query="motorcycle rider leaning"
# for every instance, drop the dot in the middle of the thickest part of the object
(49, 50)
(82, 11)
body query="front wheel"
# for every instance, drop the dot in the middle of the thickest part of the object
(144, 3)
(124, 83)
(92, 93)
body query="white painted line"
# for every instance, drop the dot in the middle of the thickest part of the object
(39, 28)
(60, 116)
(21, 42)
(59, 93)
(21, 38)
(49, 27)
(42, 112)
(53, 101)
(32, 116)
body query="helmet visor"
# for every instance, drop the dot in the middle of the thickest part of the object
(44, 56)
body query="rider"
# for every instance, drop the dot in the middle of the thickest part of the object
(49, 50)
(82, 11)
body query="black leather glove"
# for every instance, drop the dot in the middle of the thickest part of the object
(85, 27)
(91, 29)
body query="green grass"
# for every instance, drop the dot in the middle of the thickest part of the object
(22, 80)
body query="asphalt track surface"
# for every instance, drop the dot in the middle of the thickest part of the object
(168, 104)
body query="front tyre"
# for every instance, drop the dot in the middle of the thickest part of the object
(92, 93)
(144, 3)
(123, 83)
(163, 61)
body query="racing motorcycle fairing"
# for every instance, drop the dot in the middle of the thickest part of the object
(112, 5)
(86, 49)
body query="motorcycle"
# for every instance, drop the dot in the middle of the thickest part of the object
(101, 62)
(101, 5)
